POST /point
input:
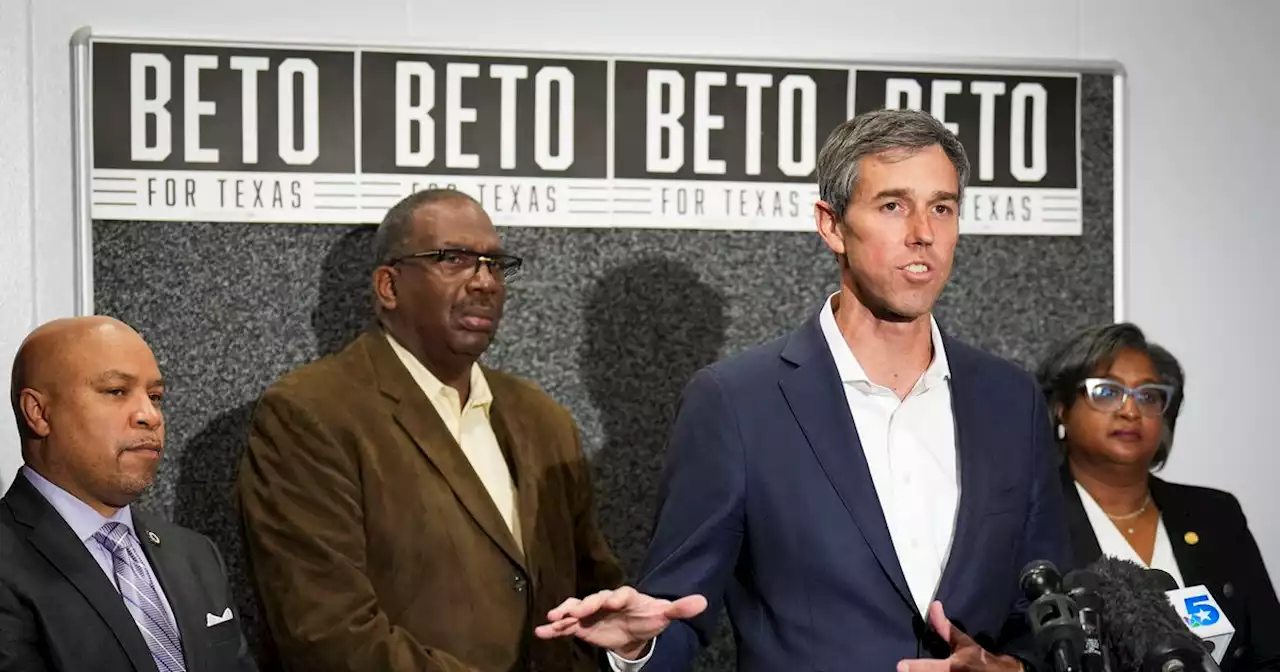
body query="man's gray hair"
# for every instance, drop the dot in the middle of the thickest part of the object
(874, 132)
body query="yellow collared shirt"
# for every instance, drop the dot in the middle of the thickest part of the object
(470, 426)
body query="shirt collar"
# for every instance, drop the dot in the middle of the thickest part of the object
(82, 518)
(481, 395)
(847, 364)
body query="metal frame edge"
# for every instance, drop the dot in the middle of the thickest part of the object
(1120, 196)
(82, 174)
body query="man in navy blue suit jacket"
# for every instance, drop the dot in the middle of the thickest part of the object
(837, 487)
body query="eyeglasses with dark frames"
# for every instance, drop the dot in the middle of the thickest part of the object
(1109, 396)
(456, 260)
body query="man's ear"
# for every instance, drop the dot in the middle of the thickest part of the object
(35, 411)
(829, 227)
(384, 287)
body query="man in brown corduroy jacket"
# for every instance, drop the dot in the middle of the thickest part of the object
(405, 508)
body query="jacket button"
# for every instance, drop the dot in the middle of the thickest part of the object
(520, 584)
(1228, 590)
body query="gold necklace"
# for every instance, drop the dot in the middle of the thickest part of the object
(1130, 516)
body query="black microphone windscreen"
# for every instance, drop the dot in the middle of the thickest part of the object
(1162, 580)
(1081, 585)
(1137, 617)
(1080, 579)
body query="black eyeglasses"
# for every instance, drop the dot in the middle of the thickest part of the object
(456, 261)
(1109, 396)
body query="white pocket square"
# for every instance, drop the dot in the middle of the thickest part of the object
(210, 620)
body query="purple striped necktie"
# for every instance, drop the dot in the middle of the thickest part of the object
(138, 591)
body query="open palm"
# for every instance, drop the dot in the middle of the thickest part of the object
(620, 620)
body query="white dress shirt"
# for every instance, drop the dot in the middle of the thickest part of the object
(910, 448)
(1114, 544)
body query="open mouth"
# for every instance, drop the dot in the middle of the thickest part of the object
(918, 270)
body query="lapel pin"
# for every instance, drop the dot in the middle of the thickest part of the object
(1191, 538)
(153, 537)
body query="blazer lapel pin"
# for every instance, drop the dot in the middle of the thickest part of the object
(1191, 538)
(155, 539)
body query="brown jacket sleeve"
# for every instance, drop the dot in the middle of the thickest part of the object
(300, 497)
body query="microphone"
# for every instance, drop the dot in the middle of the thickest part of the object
(1142, 629)
(1197, 608)
(1161, 580)
(1178, 652)
(1203, 617)
(1082, 586)
(1053, 617)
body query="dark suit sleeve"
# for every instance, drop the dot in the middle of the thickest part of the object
(1045, 535)
(1255, 586)
(701, 518)
(244, 659)
(300, 498)
(19, 639)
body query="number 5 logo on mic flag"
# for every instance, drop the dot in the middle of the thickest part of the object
(1204, 618)
(1201, 611)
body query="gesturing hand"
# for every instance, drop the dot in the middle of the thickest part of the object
(623, 621)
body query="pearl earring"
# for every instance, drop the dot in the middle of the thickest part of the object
(1062, 431)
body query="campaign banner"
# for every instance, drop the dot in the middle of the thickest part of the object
(273, 133)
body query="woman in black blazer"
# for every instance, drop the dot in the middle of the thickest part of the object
(1115, 400)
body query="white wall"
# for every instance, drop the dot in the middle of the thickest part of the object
(17, 224)
(1201, 140)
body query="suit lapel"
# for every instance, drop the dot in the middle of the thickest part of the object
(973, 456)
(511, 433)
(814, 393)
(1178, 522)
(1084, 541)
(55, 540)
(424, 426)
(183, 603)
(415, 414)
